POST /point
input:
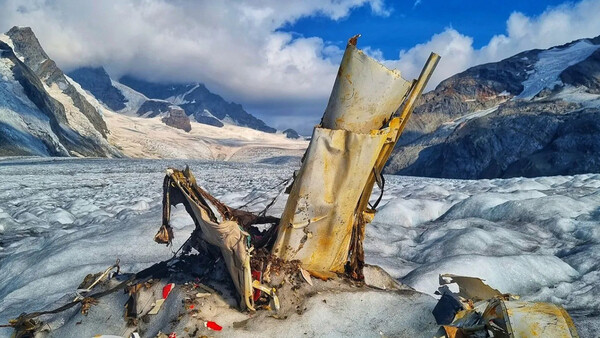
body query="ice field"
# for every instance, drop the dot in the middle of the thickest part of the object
(61, 219)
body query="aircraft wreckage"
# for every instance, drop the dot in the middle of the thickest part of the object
(323, 223)
(321, 231)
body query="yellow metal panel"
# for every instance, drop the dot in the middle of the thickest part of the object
(316, 224)
(335, 182)
(538, 320)
(365, 94)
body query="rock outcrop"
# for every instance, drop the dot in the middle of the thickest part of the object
(43, 113)
(532, 114)
(153, 108)
(291, 133)
(177, 118)
(585, 73)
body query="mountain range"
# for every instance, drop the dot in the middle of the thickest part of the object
(536, 113)
(85, 113)
(194, 99)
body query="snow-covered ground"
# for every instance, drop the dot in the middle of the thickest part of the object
(134, 99)
(142, 137)
(61, 219)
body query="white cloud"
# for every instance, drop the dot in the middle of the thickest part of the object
(455, 49)
(553, 27)
(237, 49)
(233, 46)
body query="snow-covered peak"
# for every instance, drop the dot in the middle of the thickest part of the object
(53, 117)
(6, 39)
(180, 99)
(551, 63)
(134, 99)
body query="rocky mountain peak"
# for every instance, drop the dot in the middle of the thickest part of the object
(27, 46)
(43, 112)
(198, 101)
(480, 87)
(97, 81)
(532, 114)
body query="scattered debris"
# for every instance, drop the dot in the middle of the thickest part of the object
(87, 285)
(202, 294)
(478, 310)
(306, 276)
(213, 326)
(86, 304)
(156, 306)
(269, 291)
(167, 289)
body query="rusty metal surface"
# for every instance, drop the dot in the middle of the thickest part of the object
(484, 310)
(538, 320)
(317, 222)
(324, 218)
(470, 287)
(221, 232)
(365, 93)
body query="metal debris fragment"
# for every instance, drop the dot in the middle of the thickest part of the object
(478, 310)
(306, 276)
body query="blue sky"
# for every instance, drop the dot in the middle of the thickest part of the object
(279, 58)
(410, 23)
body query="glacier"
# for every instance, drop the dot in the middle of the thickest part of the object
(63, 218)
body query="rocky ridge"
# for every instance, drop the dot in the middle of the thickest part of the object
(533, 114)
(198, 102)
(43, 112)
(154, 99)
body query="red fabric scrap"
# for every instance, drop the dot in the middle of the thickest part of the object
(167, 289)
(256, 275)
(213, 326)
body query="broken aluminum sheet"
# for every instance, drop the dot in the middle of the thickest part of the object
(500, 315)
(322, 209)
(365, 93)
(527, 319)
(222, 233)
(470, 287)
(316, 224)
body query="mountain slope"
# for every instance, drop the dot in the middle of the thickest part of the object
(534, 114)
(197, 101)
(97, 82)
(24, 128)
(42, 112)
(28, 48)
(137, 97)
